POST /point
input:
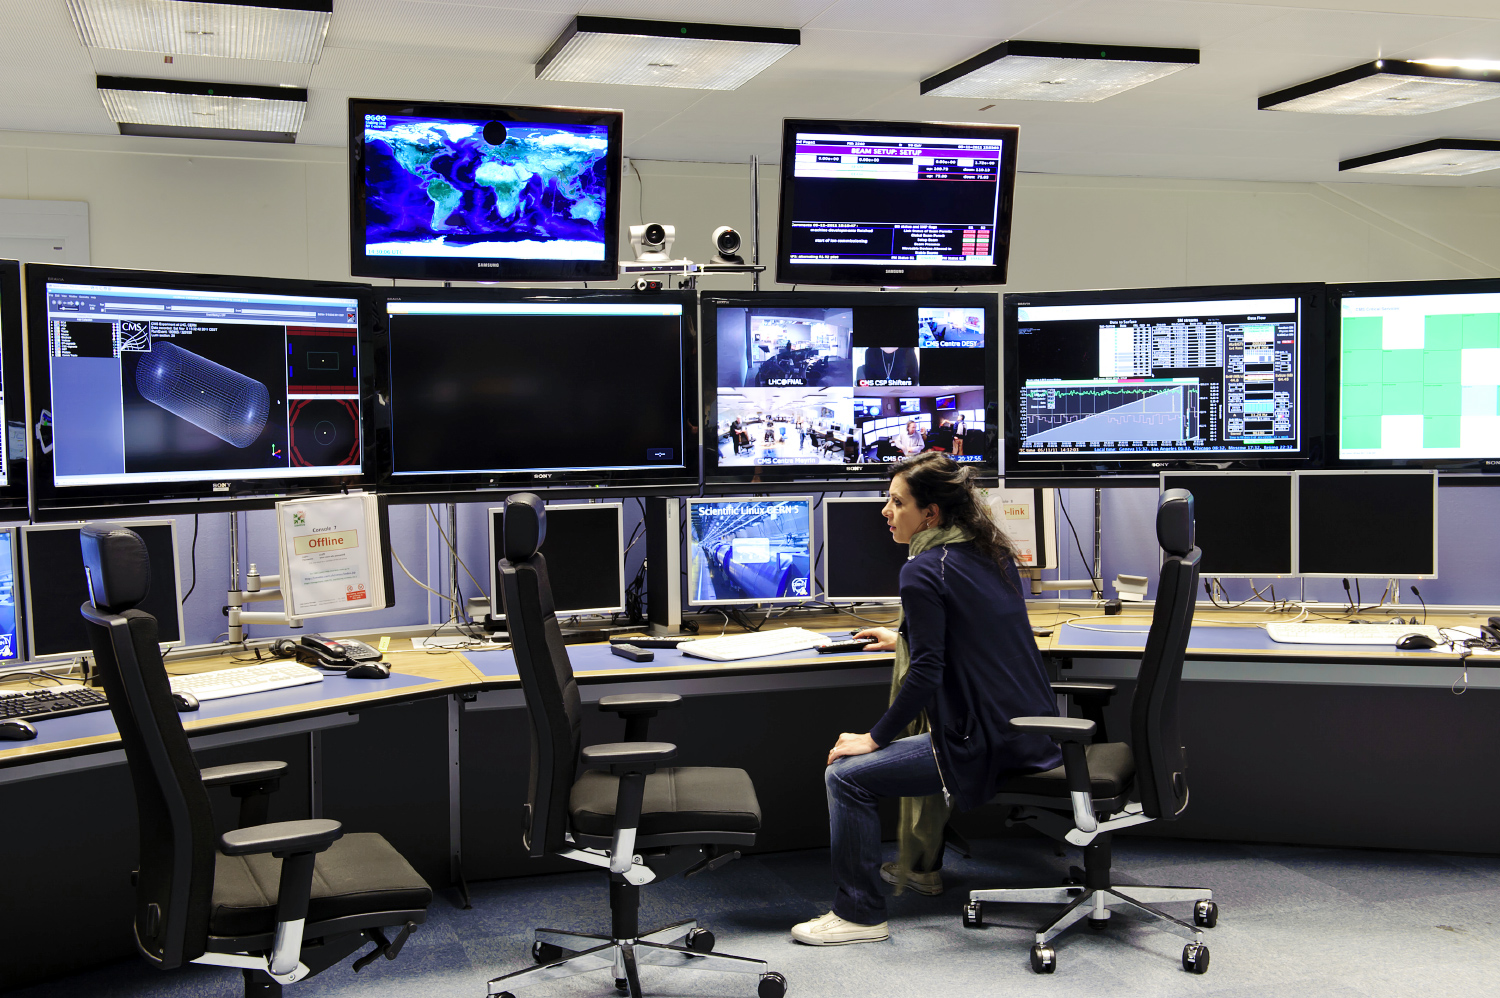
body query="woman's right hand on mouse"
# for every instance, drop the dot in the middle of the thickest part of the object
(883, 637)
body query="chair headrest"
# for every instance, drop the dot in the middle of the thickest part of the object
(524, 525)
(1174, 521)
(118, 568)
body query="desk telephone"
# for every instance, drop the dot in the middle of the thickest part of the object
(332, 653)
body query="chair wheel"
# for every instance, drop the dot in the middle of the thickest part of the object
(1043, 959)
(772, 985)
(1195, 958)
(973, 914)
(503, 994)
(700, 941)
(1205, 914)
(546, 952)
(621, 984)
(1098, 923)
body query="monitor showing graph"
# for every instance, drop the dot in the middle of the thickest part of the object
(1173, 373)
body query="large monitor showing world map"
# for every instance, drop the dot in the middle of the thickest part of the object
(474, 192)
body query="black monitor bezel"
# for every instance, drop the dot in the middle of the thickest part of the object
(14, 495)
(738, 479)
(1309, 454)
(49, 502)
(462, 486)
(1332, 371)
(480, 269)
(858, 275)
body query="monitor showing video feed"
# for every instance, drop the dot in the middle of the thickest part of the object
(749, 550)
(12, 392)
(1104, 379)
(483, 192)
(567, 388)
(895, 204)
(152, 388)
(820, 386)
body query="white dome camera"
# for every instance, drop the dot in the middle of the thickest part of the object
(653, 242)
(727, 246)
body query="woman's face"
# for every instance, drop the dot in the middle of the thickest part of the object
(902, 514)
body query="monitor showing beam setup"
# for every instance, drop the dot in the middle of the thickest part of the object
(585, 552)
(1370, 524)
(11, 628)
(749, 550)
(1242, 521)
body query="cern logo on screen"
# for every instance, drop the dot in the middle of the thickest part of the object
(799, 586)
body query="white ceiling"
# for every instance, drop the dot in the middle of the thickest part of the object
(858, 59)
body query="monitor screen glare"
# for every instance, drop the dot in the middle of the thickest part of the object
(749, 550)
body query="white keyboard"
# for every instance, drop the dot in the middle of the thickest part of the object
(1350, 634)
(248, 679)
(733, 647)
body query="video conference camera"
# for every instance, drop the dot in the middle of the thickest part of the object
(727, 246)
(653, 242)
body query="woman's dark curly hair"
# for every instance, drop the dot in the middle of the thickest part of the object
(937, 479)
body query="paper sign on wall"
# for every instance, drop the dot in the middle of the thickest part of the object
(330, 555)
(1021, 514)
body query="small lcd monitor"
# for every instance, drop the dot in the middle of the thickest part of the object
(10, 613)
(585, 553)
(153, 390)
(55, 586)
(833, 386)
(1242, 521)
(1371, 524)
(499, 389)
(483, 192)
(749, 550)
(860, 560)
(12, 391)
(895, 204)
(1163, 377)
(1416, 371)
(945, 402)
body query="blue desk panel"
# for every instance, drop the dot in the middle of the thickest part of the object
(1210, 638)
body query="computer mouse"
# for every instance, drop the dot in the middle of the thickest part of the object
(17, 730)
(369, 670)
(185, 702)
(1415, 642)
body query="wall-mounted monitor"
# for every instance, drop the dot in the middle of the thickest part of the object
(12, 392)
(1243, 521)
(585, 553)
(483, 192)
(895, 203)
(1415, 372)
(749, 550)
(153, 390)
(860, 560)
(945, 402)
(497, 389)
(1163, 377)
(821, 386)
(1370, 524)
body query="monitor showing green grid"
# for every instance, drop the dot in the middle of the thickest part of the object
(1418, 376)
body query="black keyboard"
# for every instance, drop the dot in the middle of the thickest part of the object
(39, 705)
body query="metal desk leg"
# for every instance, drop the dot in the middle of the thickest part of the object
(455, 811)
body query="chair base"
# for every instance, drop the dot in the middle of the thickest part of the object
(580, 953)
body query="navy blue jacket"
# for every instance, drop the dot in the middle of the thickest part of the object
(974, 666)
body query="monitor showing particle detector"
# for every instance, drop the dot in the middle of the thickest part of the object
(153, 389)
(12, 392)
(895, 204)
(749, 550)
(1163, 377)
(483, 192)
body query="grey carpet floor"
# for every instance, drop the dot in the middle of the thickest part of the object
(1294, 921)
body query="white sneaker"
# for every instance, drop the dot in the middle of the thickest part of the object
(930, 884)
(831, 930)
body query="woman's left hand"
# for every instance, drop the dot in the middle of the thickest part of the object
(851, 744)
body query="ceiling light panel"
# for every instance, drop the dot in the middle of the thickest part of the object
(1388, 87)
(1055, 71)
(1436, 158)
(266, 30)
(175, 104)
(638, 53)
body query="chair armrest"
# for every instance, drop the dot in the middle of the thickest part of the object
(242, 772)
(1062, 729)
(1073, 734)
(626, 704)
(629, 757)
(1101, 692)
(282, 838)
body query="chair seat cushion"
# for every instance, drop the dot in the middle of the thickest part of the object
(1111, 771)
(685, 799)
(359, 873)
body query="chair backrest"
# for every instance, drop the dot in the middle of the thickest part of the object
(175, 884)
(545, 670)
(1161, 768)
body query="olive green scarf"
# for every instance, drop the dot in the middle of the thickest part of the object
(920, 829)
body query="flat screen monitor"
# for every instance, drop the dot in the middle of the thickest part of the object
(1163, 376)
(860, 560)
(55, 585)
(10, 613)
(1371, 524)
(895, 203)
(149, 389)
(12, 391)
(1416, 371)
(483, 192)
(1242, 521)
(585, 553)
(496, 389)
(832, 386)
(749, 550)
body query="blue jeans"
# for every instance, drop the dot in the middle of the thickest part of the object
(904, 768)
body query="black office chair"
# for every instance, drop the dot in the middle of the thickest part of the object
(1105, 786)
(280, 901)
(639, 822)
